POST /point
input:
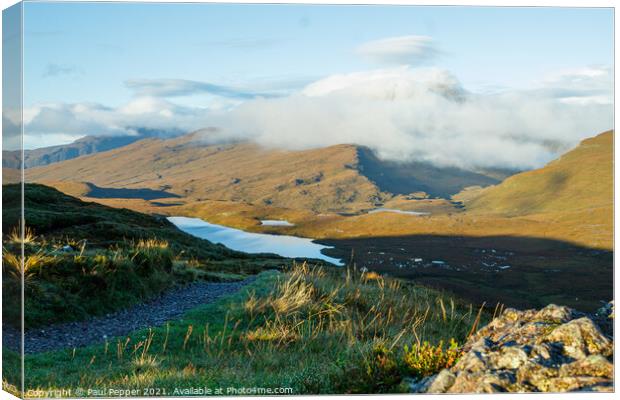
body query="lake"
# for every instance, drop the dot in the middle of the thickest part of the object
(393, 210)
(275, 222)
(248, 242)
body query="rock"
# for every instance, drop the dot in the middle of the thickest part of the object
(481, 382)
(604, 318)
(607, 311)
(555, 314)
(580, 338)
(441, 382)
(473, 361)
(510, 358)
(580, 383)
(419, 385)
(536, 375)
(596, 365)
(555, 349)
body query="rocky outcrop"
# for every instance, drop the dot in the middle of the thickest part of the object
(555, 349)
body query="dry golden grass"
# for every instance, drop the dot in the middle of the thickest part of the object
(15, 236)
(12, 264)
(152, 244)
(310, 180)
(11, 175)
(581, 179)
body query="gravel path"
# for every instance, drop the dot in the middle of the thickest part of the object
(170, 305)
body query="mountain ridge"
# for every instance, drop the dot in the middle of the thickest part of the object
(340, 178)
(90, 144)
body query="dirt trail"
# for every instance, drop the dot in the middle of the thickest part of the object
(170, 305)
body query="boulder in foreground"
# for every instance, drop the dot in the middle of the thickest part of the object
(555, 349)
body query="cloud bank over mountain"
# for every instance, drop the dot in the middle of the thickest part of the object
(404, 112)
(425, 114)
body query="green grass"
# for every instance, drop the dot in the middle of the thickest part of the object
(62, 286)
(55, 216)
(84, 259)
(310, 329)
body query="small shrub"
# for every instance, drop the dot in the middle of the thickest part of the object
(382, 369)
(426, 359)
(371, 276)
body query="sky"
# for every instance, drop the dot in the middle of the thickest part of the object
(410, 82)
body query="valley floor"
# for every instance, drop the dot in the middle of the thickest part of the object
(520, 262)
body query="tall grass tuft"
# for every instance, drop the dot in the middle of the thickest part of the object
(15, 236)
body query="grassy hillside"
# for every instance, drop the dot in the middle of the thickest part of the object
(84, 259)
(55, 216)
(10, 175)
(309, 329)
(342, 178)
(313, 179)
(581, 179)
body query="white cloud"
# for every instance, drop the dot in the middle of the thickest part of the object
(581, 86)
(409, 114)
(402, 113)
(66, 121)
(401, 50)
(388, 84)
(183, 87)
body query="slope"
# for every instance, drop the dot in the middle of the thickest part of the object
(53, 154)
(341, 178)
(581, 179)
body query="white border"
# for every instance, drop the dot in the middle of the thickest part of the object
(486, 3)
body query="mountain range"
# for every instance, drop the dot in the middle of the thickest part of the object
(239, 183)
(341, 178)
(84, 146)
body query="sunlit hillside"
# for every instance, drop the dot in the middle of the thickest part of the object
(581, 179)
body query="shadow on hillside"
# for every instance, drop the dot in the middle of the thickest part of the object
(519, 272)
(409, 177)
(126, 193)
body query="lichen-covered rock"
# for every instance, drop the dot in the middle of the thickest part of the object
(555, 349)
(596, 365)
(442, 382)
(580, 338)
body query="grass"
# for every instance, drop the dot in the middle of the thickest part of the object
(55, 216)
(311, 329)
(580, 179)
(64, 285)
(84, 259)
(313, 179)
